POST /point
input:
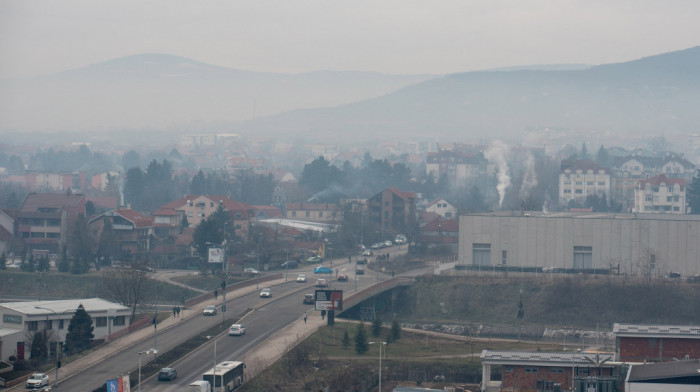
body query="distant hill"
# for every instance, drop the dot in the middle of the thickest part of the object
(159, 90)
(649, 95)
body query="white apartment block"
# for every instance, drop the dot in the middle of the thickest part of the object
(660, 195)
(579, 179)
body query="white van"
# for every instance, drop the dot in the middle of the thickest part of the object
(199, 386)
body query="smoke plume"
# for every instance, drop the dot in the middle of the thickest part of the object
(497, 153)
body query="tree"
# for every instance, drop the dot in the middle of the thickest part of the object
(3, 261)
(129, 287)
(602, 157)
(198, 185)
(107, 245)
(346, 340)
(43, 263)
(64, 262)
(38, 346)
(395, 330)
(376, 327)
(584, 152)
(79, 336)
(319, 175)
(82, 246)
(361, 345)
(693, 194)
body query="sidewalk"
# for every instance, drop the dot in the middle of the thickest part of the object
(68, 370)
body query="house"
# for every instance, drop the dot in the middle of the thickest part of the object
(166, 223)
(440, 232)
(313, 212)
(579, 179)
(21, 319)
(46, 219)
(458, 167)
(547, 371)
(656, 343)
(196, 208)
(132, 230)
(392, 211)
(442, 208)
(660, 195)
(49, 181)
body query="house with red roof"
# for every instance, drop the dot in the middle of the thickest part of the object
(392, 211)
(440, 232)
(196, 208)
(132, 231)
(660, 195)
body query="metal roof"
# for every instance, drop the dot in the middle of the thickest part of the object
(544, 358)
(638, 330)
(664, 370)
(29, 308)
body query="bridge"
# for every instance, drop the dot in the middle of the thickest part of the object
(374, 290)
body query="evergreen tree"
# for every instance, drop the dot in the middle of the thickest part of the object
(361, 345)
(584, 152)
(346, 339)
(80, 329)
(603, 157)
(82, 246)
(3, 261)
(693, 194)
(376, 327)
(38, 348)
(43, 264)
(395, 330)
(389, 339)
(198, 185)
(64, 262)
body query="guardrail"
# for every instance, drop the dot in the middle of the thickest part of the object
(233, 287)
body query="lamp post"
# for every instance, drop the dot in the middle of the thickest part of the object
(149, 351)
(58, 342)
(380, 362)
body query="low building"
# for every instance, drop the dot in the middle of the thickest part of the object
(314, 212)
(676, 376)
(46, 219)
(21, 319)
(660, 195)
(656, 343)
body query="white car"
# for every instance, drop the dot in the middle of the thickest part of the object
(37, 380)
(210, 310)
(251, 271)
(266, 293)
(301, 278)
(236, 330)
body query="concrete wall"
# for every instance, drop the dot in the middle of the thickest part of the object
(548, 241)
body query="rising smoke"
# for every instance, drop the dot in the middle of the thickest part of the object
(497, 153)
(529, 177)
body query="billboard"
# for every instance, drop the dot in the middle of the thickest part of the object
(120, 384)
(329, 300)
(216, 255)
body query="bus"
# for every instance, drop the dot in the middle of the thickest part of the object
(225, 377)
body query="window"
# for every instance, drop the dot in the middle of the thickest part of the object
(448, 215)
(100, 321)
(601, 183)
(556, 371)
(308, 214)
(531, 370)
(386, 204)
(669, 198)
(583, 257)
(49, 324)
(579, 182)
(32, 325)
(507, 369)
(119, 320)
(589, 183)
(579, 191)
(504, 257)
(60, 324)
(567, 191)
(294, 213)
(320, 214)
(481, 254)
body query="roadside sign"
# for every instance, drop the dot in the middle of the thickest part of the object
(328, 300)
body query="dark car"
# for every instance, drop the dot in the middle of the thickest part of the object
(167, 374)
(308, 299)
(360, 271)
(362, 260)
(342, 278)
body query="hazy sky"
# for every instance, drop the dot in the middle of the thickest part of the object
(397, 36)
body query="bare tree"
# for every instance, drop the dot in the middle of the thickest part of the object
(128, 286)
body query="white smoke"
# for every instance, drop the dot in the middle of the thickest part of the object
(497, 153)
(529, 178)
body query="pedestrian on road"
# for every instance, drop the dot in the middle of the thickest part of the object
(304, 317)
(216, 294)
(323, 314)
(174, 311)
(177, 310)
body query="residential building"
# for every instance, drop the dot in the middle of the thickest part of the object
(75, 182)
(547, 371)
(196, 208)
(442, 208)
(440, 232)
(641, 244)
(46, 219)
(458, 167)
(580, 179)
(392, 211)
(21, 319)
(313, 212)
(132, 230)
(100, 180)
(656, 343)
(660, 195)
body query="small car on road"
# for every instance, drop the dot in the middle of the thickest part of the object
(360, 271)
(308, 299)
(342, 278)
(301, 278)
(37, 380)
(210, 310)
(321, 283)
(251, 271)
(236, 330)
(266, 293)
(314, 259)
(167, 374)
(323, 270)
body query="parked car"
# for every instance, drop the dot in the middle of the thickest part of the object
(360, 271)
(301, 278)
(323, 270)
(321, 283)
(388, 244)
(314, 259)
(251, 271)
(167, 374)
(342, 278)
(266, 293)
(377, 245)
(210, 310)
(308, 299)
(368, 252)
(236, 330)
(37, 380)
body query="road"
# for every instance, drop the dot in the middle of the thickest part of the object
(268, 317)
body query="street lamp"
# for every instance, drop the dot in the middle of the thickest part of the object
(58, 342)
(149, 351)
(380, 362)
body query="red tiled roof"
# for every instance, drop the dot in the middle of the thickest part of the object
(441, 225)
(313, 206)
(166, 212)
(661, 179)
(33, 201)
(130, 215)
(404, 195)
